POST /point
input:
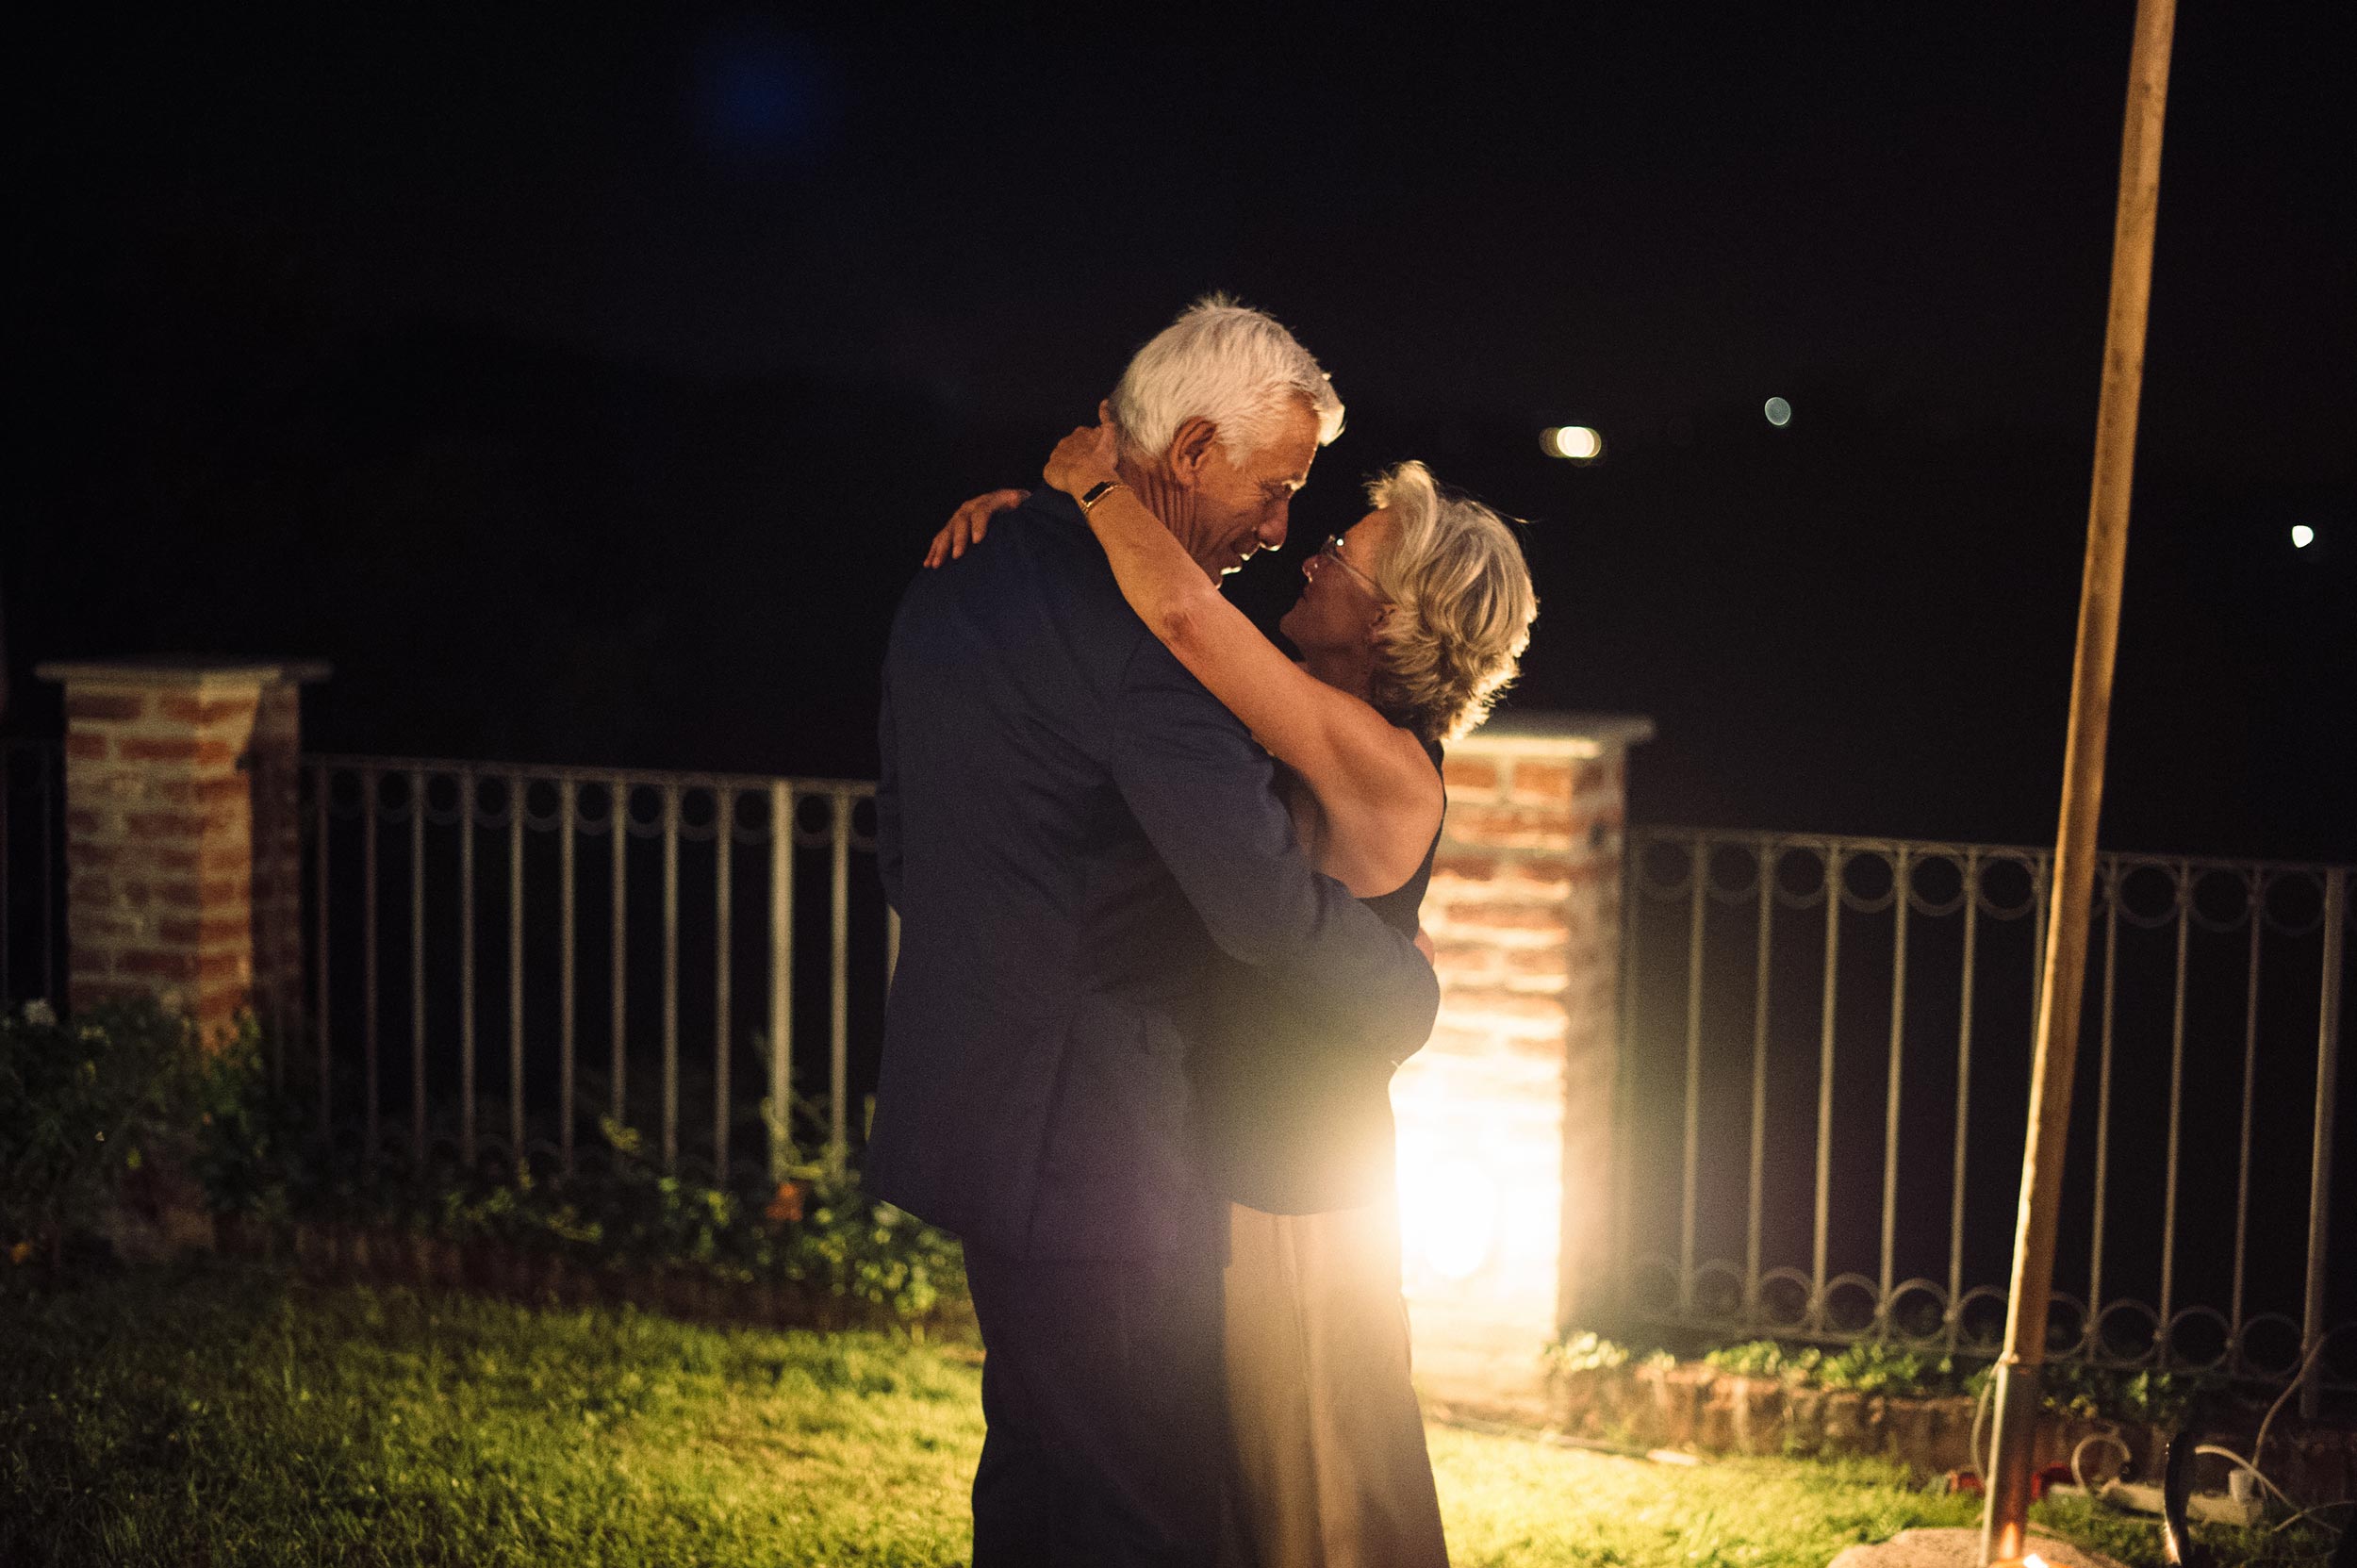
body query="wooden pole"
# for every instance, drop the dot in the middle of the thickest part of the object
(2004, 1529)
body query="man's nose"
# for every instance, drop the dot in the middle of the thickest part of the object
(1272, 529)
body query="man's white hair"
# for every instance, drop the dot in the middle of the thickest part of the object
(1223, 362)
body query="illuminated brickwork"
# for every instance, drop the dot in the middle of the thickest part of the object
(1504, 1119)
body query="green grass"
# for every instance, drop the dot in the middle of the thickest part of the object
(233, 1415)
(1510, 1501)
(239, 1418)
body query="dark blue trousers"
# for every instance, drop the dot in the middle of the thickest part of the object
(1103, 1394)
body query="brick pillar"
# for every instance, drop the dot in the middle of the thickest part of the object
(1504, 1119)
(276, 752)
(183, 839)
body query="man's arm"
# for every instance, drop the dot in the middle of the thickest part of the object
(1200, 789)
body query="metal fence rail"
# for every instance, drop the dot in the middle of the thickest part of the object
(662, 975)
(1825, 1055)
(32, 855)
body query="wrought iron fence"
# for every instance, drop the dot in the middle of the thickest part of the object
(629, 949)
(1824, 1076)
(32, 884)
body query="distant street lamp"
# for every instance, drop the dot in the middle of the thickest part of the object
(1779, 412)
(1577, 442)
(2302, 535)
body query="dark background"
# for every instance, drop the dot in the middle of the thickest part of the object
(584, 383)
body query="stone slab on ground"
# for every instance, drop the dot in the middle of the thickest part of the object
(1960, 1547)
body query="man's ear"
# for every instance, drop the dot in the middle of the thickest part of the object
(1191, 446)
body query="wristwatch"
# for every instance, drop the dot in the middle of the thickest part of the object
(1097, 492)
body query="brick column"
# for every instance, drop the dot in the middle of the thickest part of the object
(1504, 1119)
(183, 839)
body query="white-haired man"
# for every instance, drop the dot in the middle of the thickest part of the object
(1082, 844)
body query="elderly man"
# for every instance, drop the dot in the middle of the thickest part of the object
(1082, 844)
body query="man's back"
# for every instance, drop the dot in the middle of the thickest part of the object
(1072, 831)
(1042, 936)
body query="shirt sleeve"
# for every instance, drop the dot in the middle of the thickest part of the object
(1202, 790)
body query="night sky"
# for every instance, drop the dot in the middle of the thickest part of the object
(584, 384)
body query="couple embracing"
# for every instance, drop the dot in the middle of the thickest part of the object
(1158, 883)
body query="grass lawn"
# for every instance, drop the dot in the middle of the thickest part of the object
(231, 1414)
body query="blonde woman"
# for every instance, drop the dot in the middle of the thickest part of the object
(1408, 627)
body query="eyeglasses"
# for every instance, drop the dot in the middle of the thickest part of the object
(1332, 549)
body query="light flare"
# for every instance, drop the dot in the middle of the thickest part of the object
(1579, 442)
(1448, 1214)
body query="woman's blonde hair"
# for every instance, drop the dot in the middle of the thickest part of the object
(1462, 604)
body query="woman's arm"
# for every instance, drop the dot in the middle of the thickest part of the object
(969, 522)
(1378, 790)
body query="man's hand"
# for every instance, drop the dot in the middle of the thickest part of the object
(968, 525)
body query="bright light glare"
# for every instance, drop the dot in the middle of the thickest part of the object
(2302, 535)
(2033, 1561)
(1779, 412)
(1575, 442)
(1448, 1215)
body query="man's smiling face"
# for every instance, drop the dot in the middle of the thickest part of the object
(1242, 507)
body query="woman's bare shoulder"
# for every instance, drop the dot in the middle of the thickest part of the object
(1382, 803)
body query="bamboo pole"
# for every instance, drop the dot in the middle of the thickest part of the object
(2062, 980)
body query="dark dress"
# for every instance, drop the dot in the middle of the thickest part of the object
(1328, 1438)
(1298, 1100)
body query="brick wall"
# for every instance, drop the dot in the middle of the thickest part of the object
(183, 845)
(1505, 1115)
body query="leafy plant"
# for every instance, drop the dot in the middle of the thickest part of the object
(816, 1230)
(2152, 1399)
(1765, 1358)
(1867, 1367)
(1872, 1368)
(2094, 1393)
(85, 1104)
(246, 1148)
(88, 1105)
(1586, 1351)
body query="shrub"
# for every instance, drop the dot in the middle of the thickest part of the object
(1872, 1368)
(816, 1230)
(1586, 1351)
(2152, 1398)
(86, 1105)
(248, 1145)
(1765, 1358)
